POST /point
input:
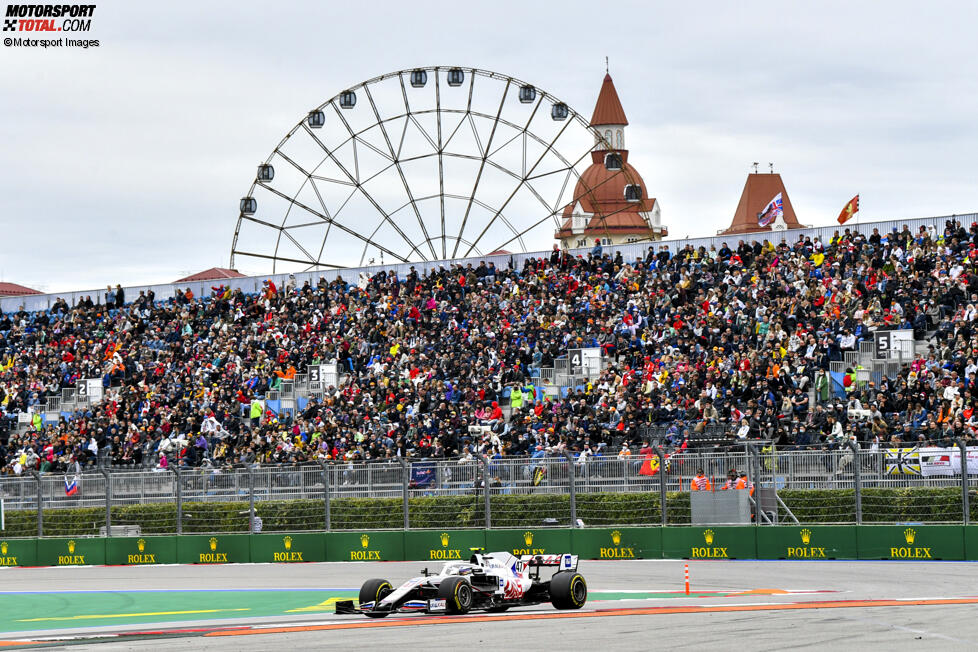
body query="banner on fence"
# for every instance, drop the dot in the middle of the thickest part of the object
(929, 462)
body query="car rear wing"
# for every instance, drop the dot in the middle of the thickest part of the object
(565, 561)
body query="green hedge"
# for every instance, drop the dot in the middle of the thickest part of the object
(919, 504)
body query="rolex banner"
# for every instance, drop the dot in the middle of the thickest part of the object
(928, 462)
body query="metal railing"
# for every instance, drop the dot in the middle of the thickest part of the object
(825, 486)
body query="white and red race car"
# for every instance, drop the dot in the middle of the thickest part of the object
(491, 582)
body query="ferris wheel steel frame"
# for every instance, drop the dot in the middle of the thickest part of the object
(353, 180)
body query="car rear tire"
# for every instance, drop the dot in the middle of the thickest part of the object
(457, 594)
(568, 590)
(374, 591)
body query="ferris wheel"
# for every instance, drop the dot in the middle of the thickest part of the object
(423, 164)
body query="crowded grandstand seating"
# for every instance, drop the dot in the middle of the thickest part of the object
(709, 347)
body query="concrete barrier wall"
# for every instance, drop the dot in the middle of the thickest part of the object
(808, 542)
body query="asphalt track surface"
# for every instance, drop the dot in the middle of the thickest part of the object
(633, 605)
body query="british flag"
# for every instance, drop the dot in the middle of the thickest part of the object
(773, 211)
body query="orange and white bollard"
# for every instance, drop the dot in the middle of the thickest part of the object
(687, 577)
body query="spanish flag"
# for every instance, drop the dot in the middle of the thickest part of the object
(851, 209)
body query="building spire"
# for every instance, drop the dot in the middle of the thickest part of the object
(608, 109)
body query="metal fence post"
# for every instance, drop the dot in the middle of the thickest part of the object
(857, 480)
(754, 462)
(485, 494)
(325, 493)
(571, 486)
(405, 483)
(965, 482)
(108, 501)
(251, 501)
(40, 504)
(662, 483)
(176, 472)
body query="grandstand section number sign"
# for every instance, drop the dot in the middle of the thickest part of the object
(890, 344)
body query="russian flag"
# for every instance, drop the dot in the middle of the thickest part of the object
(71, 488)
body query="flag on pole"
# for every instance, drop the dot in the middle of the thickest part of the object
(851, 209)
(772, 212)
(71, 488)
(650, 466)
(539, 473)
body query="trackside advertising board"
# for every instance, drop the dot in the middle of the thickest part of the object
(806, 542)
(18, 552)
(365, 546)
(215, 549)
(617, 543)
(442, 545)
(709, 542)
(288, 548)
(70, 552)
(910, 542)
(140, 551)
(803, 542)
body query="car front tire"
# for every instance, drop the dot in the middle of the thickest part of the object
(457, 594)
(374, 591)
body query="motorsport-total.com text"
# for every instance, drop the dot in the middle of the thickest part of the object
(45, 18)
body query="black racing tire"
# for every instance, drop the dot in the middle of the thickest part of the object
(568, 590)
(457, 594)
(374, 591)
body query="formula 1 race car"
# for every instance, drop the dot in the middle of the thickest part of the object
(491, 582)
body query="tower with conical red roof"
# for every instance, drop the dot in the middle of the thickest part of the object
(611, 202)
(759, 190)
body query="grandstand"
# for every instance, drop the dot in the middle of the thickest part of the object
(698, 342)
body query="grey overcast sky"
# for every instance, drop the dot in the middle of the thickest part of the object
(125, 163)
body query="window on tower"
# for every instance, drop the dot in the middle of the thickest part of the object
(621, 139)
